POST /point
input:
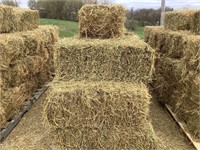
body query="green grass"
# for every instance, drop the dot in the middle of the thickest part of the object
(139, 31)
(66, 28)
(69, 28)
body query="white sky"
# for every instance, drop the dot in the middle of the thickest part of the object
(176, 4)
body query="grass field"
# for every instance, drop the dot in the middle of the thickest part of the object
(69, 28)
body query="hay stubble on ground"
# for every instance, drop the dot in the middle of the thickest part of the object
(30, 134)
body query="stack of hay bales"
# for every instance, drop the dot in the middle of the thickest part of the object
(177, 79)
(26, 54)
(98, 100)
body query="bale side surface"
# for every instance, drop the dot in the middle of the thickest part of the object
(12, 99)
(26, 64)
(24, 54)
(100, 115)
(17, 19)
(101, 21)
(178, 86)
(183, 20)
(173, 44)
(124, 59)
(185, 102)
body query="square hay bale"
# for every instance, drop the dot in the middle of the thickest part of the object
(185, 102)
(25, 64)
(100, 115)
(12, 100)
(178, 86)
(183, 20)
(173, 44)
(124, 59)
(24, 54)
(101, 21)
(17, 19)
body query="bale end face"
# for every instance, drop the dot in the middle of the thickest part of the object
(101, 21)
(96, 115)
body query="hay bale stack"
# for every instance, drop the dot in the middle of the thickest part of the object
(183, 20)
(176, 80)
(100, 115)
(17, 19)
(123, 59)
(26, 63)
(101, 21)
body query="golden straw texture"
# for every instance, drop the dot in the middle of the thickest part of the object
(100, 115)
(101, 21)
(183, 20)
(14, 19)
(124, 59)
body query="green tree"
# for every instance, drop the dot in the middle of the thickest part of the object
(14, 3)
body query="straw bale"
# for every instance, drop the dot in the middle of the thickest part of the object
(12, 99)
(100, 115)
(178, 86)
(124, 59)
(173, 44)
(26, 60)
(183, 20)
(17, 19)
(185, 100)
(101, 21)
(24, 54)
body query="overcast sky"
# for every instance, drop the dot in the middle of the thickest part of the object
(176, 4)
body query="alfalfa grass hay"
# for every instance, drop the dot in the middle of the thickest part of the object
(173, 44)
(17, 19)
(100, 115)
(183, 20)
(121, 59)
(101, 21)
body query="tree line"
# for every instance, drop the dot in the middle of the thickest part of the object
(68, 10)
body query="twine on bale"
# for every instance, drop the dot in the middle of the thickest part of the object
(101, 21)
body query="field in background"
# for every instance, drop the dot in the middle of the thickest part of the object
(69, 28)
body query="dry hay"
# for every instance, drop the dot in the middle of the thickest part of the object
(183, 20)
(178, 86)
(2, 115)
(26, 64)
(17, 19)
(101, 21)
(186, 103)
(172, 43)
(124, 59)
(100, 115)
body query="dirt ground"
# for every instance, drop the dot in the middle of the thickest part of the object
(31, 134)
